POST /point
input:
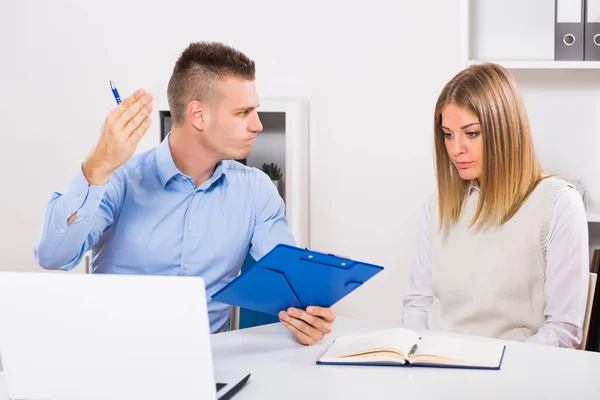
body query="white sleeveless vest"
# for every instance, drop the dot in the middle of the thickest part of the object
(490, 281)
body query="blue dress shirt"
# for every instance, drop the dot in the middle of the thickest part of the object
(151, 219)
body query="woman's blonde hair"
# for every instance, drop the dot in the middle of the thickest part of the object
(510, 170)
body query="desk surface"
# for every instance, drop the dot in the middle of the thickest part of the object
(281, 368)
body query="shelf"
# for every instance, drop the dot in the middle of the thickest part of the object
(541, 64)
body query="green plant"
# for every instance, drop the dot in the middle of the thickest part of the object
(272, 170)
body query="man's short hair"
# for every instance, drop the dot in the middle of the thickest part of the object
(198, 71)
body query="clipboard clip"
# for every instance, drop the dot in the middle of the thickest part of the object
(330, 254)
(327, 258)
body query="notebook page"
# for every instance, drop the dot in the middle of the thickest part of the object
(398, 338)
(459, 351)
(380, 358)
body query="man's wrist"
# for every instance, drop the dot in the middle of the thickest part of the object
(95, 173)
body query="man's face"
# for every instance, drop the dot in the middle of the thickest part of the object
(233, 120)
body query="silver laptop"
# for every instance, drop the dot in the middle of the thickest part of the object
(70, 336)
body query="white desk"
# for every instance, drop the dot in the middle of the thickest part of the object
(281, 368)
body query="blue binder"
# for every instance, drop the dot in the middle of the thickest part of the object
(289, 276)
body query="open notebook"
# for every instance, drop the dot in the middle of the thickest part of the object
(404, 347)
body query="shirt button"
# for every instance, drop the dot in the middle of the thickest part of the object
(189, 227)
(79, 198)
(186, 265)
(62, 231)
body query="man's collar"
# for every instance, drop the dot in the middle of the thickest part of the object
(167, 168)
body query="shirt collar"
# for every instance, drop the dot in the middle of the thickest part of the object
(164, 162)
(167, 168)
(473, 185)
(218, 175)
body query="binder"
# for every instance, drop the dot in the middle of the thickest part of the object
(592, 31)
(289, 276)
(569, 30)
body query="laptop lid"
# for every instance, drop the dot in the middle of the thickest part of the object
(70, 336)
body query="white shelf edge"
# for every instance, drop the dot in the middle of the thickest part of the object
(593, 217)
(541, 64)
(296, 158)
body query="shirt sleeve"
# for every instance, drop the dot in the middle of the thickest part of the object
(419, 296)
(271, 226)
(62, 246)
(567, 273)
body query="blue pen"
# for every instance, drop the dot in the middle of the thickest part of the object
(115, 93)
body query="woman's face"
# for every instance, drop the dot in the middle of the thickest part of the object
(462, 136)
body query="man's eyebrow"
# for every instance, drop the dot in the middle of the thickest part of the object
(249, 108)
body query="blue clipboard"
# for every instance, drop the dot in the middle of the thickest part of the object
(290, 276)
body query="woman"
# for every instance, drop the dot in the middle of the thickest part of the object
(503, 248)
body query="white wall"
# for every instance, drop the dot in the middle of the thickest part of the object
(371, 72)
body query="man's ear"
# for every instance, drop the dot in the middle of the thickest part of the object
(196, 112)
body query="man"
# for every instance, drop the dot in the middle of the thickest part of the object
(182, 208)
